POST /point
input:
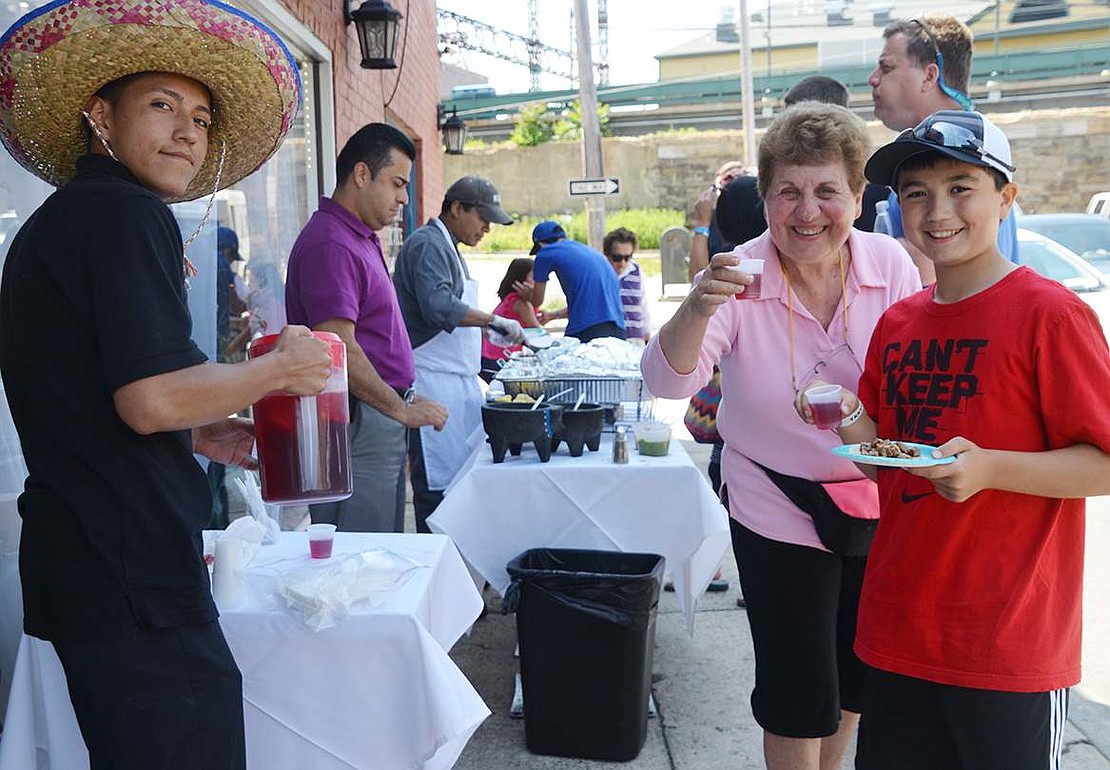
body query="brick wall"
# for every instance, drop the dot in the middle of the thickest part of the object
(1062, 157)
(413, 88)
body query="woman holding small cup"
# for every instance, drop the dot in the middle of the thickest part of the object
(795, 508)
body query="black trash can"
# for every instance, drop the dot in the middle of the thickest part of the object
(586, 625)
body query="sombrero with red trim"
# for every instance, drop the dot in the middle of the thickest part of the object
(55, 57)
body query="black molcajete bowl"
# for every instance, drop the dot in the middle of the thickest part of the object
(581, 428)
(511, 425)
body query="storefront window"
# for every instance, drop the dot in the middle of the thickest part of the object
(266, 211)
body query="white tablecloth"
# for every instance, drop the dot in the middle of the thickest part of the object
(659, 505)
(378, 690)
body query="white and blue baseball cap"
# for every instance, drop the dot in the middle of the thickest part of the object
(966, 136)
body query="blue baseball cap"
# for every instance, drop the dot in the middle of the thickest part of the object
(227, 239)
(545, 232)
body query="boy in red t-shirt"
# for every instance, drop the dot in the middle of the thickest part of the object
(971, 608)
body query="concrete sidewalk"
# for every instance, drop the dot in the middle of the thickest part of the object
(701, 687)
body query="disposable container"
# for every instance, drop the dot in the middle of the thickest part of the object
(653, 439)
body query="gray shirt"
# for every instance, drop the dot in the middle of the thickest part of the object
(430, 276)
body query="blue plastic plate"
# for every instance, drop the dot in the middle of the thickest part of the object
(851, 452)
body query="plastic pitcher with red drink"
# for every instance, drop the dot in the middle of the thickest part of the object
(304, 452)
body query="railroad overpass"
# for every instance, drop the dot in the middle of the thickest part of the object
(999, 83)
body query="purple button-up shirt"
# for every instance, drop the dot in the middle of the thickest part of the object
(336, 270)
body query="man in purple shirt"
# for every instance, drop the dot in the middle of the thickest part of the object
(338, 282)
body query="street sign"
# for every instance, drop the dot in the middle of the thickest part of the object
(603, 186)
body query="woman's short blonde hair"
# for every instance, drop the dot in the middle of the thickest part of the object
(814, 134)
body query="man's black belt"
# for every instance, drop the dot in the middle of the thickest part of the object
(406, 394)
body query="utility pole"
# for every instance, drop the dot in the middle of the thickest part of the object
(747, 95)
(591, 126)
(603, 42)
(534, 67)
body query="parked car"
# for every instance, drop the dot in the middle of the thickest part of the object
(1088, 235)
(1099, 204)
(1052, 260)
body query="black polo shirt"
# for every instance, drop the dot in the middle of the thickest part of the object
(93, 298)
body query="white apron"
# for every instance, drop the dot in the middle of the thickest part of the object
(447, 369)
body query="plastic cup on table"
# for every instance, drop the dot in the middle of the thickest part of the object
(754, 268)
(824, 404)
(227, 590)
(653, 439)
(320, 540)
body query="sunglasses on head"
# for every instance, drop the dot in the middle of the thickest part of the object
(956, 137)
(952, 93)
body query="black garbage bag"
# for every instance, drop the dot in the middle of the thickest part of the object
(586, 626)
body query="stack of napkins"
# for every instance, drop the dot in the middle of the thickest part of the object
(324, 593)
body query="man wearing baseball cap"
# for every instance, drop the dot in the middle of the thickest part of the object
(971, 611)
(439, 303)
(593, 292)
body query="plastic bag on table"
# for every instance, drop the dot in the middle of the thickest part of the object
(258, 510)
(324, 593)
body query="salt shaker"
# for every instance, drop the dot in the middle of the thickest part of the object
(620, 446)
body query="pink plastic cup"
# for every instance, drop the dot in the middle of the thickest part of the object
(320, 540)
(824, 403)
(754, 268)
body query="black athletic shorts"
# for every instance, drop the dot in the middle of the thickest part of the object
(802, 607)
(913, 724)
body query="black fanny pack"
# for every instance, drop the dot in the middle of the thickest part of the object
(840, 532)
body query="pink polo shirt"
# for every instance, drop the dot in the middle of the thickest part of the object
(750, 341)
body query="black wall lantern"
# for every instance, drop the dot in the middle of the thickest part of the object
(376, 22)
(454, 134)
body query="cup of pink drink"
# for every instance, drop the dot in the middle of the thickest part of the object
(320, 539)
(754, 268)
(824, 405)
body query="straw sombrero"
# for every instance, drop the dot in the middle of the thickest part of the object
(54, 58)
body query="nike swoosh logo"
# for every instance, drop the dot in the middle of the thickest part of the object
(907, 499)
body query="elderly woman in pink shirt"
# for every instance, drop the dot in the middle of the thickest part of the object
(824, 286)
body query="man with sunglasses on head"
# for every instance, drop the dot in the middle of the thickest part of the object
(925, 67)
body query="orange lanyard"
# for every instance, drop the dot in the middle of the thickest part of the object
(790, 316)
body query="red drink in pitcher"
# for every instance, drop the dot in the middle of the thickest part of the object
(304, 453)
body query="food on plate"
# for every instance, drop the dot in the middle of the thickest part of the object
(883, 447)
(503, 399)
(523, 398)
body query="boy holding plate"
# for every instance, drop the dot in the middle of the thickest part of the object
(971, 608)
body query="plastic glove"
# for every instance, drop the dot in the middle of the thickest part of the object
(505, 332)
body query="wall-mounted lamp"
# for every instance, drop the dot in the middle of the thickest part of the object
(454, 134)
(376, 22)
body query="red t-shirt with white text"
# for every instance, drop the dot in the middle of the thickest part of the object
(986, 593)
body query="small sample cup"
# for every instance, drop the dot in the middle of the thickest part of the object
(754, 268)
(320, 539)
(824, 404)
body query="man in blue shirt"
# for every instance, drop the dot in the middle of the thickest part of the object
(593, 292)
(925, 67)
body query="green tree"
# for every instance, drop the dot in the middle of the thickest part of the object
(569, 126)
(533, 125)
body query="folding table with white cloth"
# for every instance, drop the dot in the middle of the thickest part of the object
(375, 690)
(660, 505)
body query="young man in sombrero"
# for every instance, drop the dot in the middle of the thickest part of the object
(172, 99)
